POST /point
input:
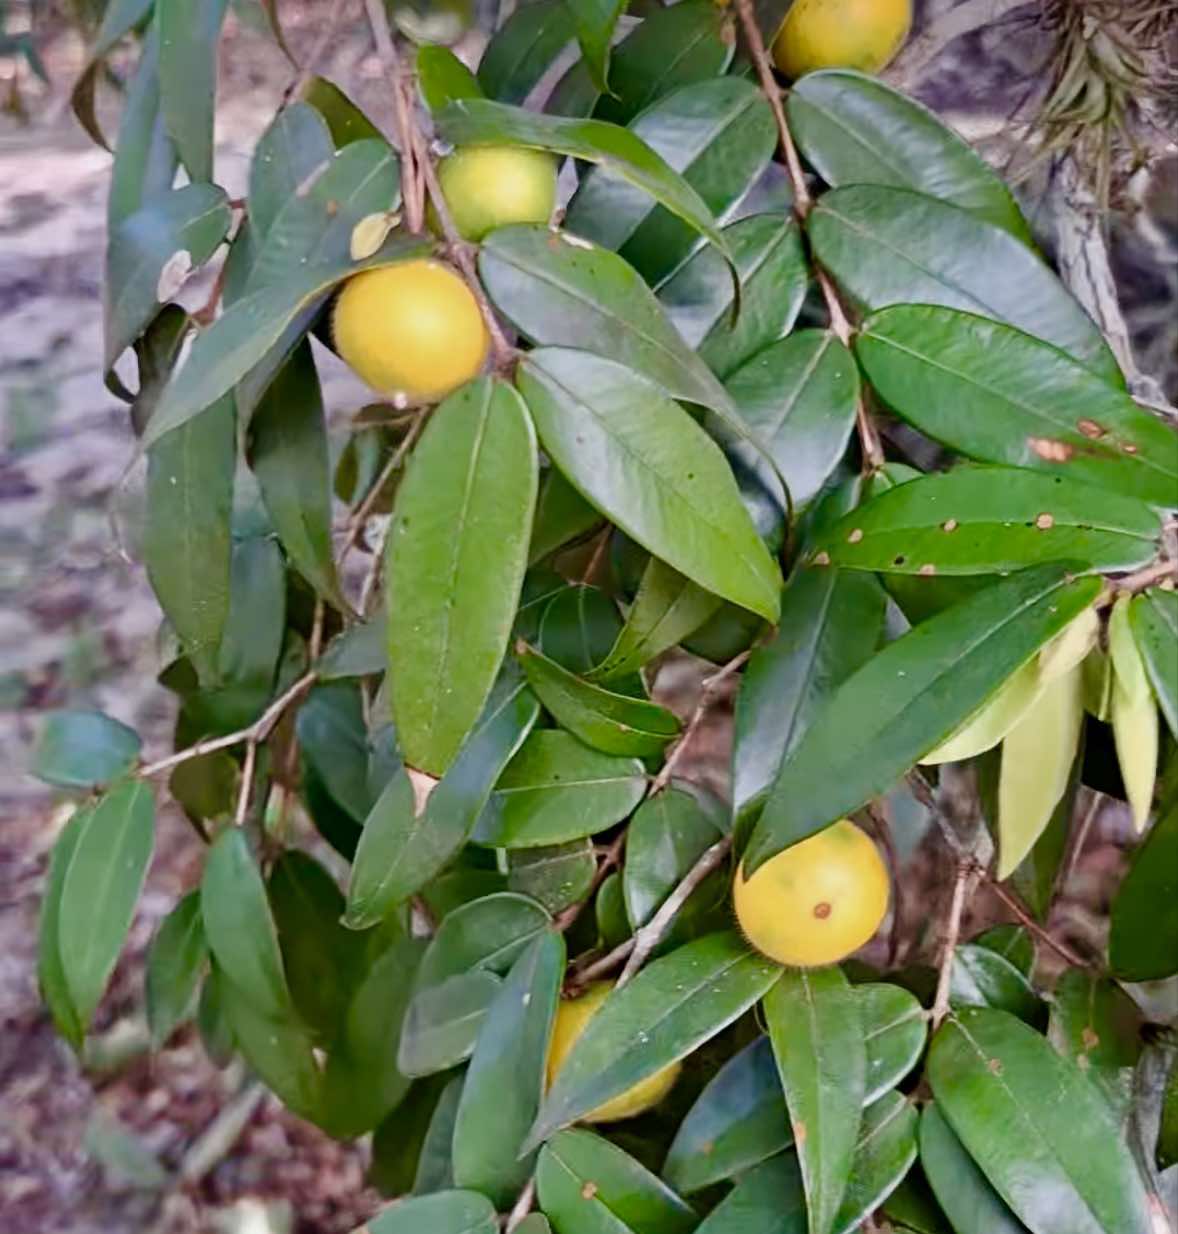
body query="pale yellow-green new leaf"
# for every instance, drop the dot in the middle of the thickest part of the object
(1037, 756)
(1098, 683)
(1134, 714)
(1069, 647)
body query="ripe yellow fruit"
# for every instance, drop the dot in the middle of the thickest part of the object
(413, 329)
(572, 1015)
(816, 902)
(848, 34)
(491, 186)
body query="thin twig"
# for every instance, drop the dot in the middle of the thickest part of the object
(952, 933)
(247, 781)
(255, 732)
(523, 1206)
(1011, 901)
(1147, 576)
(582, 975)
(609, 859)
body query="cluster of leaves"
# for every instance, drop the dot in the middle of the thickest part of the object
(677, 425)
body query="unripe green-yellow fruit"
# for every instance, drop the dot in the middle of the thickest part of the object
(411, 330)
(816, 902)
(491, 186)
(572, 1016)
(849, 34)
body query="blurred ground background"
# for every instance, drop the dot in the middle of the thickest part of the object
(81, 1153)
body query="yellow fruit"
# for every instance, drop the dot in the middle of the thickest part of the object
(572, 1015)
(816, 902)
(491, 186)
(848, 34)
(413, 329)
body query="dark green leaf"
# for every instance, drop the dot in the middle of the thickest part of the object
(586, 1185)
(699, 297)
(485, 934)
(717, 134)
(633, 453)
(252, 640)
(345, 120)
(447, 1212)
(562, 514)
(296, 146)
(556, 789)
(51, 976)
(663, 1014)
(238, 926)
(884, 1153)
(81, 749)
(1000, 396)
(1143, 940)
(556, 875)
(442, 78)
(912, 1208)
(623, 153)
(612, 723)
(119, 18)
(579, 626)
(359, 651)
(156, 353)
(909, 697)
(595, 21)
(894, 1034)
(524, 48)
(983, 978)
(853, 129)
(1013, 943)
(434, 1167)
(175, 963)
(334, 742)
(767, 1200)
(830, 625)
(505, 1079)
(1042, 1134)
(1097, 1025)
(891, 246)
(189, 32)
(817, 1035)
(1154, 620)
(443, 1022)
(973, 1206)
(456, 560)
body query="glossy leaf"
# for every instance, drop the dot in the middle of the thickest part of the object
(447, 1212)
(296, 146)
(505, 1079)
(150, 254)
(556, 789)
(595, 21)
(442, 1023)
(175, 964)
(884, 1153)
(523, 49)
(983, 978)
(288, 454)
(973, 1206)
(578, 627)
(891, 246)
(51, 977)
(1133, 714)
(1097, 1025)
(612, 723)
(189, 31)
(699, 297)
(586, 1185)
(1153, 617)
(1040, 1131)
(853, 129)
(1001, 396)
(442, 78)
(358, 651)
(563, 291)
(990, 520)
(557, 875)
(1143, 940)
(634, 468)
(456, 560)
(562, 517)
(894, 1034)
(831, 623)
(717, 134)
(623, 153)
(434, 1166)
(767, 1200)
(345, 120)
(487, 934)
(82, 749)
(334, 743)
(909, 697)
(817, 1035)
(671, 1007)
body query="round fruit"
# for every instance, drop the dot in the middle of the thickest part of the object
(847, 34)
(490, 186)
(413, 329)
(572, 1015)
(816, 902)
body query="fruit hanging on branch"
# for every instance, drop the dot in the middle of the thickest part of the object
(841, 34)
(493, 186)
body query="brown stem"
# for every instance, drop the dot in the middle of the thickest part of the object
(1032, 926)
(609, 859)
(247, 782)
(523, 1206)
(952, 933)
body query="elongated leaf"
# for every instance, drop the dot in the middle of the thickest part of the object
(447, 1212)
(487, 934)
(830, 625)
(359, 651)
(624, 154)
(817, 1035)
(983, 978)
(1040, 1131)
(150, 254)
(892, 246)
(403, 847)
(595, 21)
(884, 1153)
(442, 78)
(51, 978)
(973, 1206)
(118, 19)
(556, 789)
(456, 560)
(700, 300)
(563, 516)
(556, 875)
(523, 49)
(442, 1023)
(334, 742)
(434, 1172)
(1097, 1025)
(238, 925)
(853, 129)
(505, 1079)
(1153, 617)
(670, 1008)
(612, 723)
(909, 697)
(296, 146)
(649, 468)
(579, 626)
(1000, 396)
(189, 31)
(81, 749)
(894, 1034)
(175, 964)
(769, 1199)
(1143, 941)
(563, 291)
(717, 134)
(100, 890)
(990, 520)
(345, 120)
(1133, 714)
